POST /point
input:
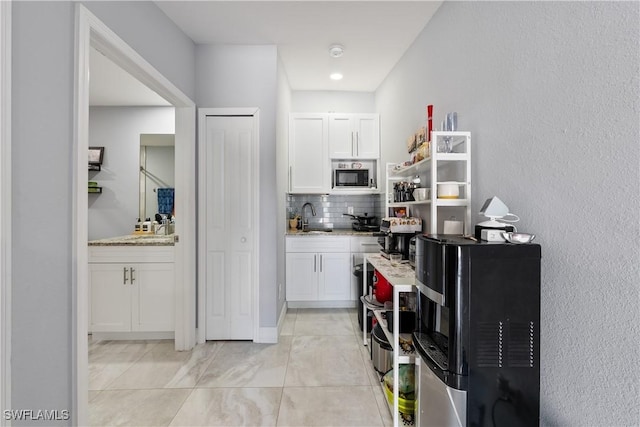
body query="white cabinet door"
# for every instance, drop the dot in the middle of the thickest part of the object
(335, 277)
(309, 168)
(341, 136)
(367, 134)
(302, 276)
(153, 301)
(111, 290)
(354, 136)
(132, 297)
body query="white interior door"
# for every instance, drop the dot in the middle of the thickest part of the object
(230, 232)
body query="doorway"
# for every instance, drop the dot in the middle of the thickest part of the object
(228, 220)
(91, 32)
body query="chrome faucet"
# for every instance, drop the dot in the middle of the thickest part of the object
(305, 221)
(165, 225)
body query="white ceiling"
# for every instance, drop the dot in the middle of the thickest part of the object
(375, 35)
(110, 85)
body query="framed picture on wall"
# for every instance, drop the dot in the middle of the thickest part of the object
(96, 154)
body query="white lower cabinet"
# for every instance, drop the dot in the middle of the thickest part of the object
(318, 269)
(302, 276)
(334, 278)
(131, 289)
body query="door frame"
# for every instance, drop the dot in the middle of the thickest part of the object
(90, 31)
(255, 288)
(5, 208)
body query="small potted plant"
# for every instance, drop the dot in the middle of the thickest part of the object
(293, 218)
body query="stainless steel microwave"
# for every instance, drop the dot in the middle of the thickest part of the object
(351, 178)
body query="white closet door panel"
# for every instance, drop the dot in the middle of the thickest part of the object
(230, 227)
(241, 303)
(215, 187)
(216, 296)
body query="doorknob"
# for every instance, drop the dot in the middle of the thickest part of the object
(243, 240)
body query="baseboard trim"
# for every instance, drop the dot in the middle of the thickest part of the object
(267, 335)
(125, 336)
(321, 304)
(283, 314)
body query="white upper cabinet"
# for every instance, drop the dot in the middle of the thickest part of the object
(309, 166)
(354, 136)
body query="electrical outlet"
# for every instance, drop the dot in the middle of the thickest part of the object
(280, 289)
(350, 210)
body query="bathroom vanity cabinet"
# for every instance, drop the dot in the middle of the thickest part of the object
(131, 291)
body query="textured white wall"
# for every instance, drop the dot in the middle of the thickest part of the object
(282, 170)
(550, 92)
(43, 361)
(114, 212)
(246, 76)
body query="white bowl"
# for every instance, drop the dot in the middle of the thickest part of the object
(518, 237)
(420, 194)
(448, 190)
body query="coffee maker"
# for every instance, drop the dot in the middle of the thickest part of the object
(395, 243)
(396, 234)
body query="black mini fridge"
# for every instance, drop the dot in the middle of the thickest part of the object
(479, 332)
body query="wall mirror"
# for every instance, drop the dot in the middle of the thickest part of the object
(157, 164)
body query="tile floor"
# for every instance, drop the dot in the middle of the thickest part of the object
(319, 374)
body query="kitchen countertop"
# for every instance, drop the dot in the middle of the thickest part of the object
(335, 232)
(135, 240)
(396, 272)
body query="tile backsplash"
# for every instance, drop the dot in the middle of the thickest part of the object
(330, 208)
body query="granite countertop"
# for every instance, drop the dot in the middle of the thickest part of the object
(396, 272)
(135, 240)
(335, 232)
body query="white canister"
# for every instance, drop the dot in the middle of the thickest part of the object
(448, 190)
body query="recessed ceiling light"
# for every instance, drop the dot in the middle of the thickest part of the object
(335, 76)
(336, 51)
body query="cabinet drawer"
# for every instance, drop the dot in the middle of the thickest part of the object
(317, 244)
(130, 254)
(364, 244)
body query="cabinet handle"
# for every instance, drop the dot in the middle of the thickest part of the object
(124, 274)
(133, 278)
(352, 149)
(290, 184)
(314, 263)
(357, 144)
(320, 263)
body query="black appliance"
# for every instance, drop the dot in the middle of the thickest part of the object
(364, 222)
(478, 332)
(359, 273)
(351, 178)
(412, 251)
(395, 243)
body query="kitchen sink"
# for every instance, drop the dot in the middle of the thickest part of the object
(318, 230)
